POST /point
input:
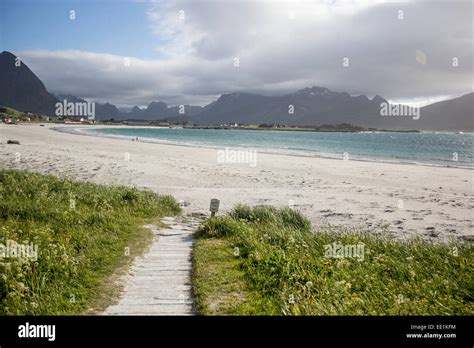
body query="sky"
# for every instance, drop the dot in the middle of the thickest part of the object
(189, 52)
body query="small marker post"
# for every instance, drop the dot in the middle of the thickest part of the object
(214, 207)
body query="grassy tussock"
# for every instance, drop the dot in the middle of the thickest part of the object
(81, 230)
(286, 267)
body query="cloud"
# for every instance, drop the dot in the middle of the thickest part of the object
(281, 47)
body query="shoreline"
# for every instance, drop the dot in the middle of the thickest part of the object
(299, 153)
(400, 199)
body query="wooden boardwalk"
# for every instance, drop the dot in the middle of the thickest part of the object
(159, 282)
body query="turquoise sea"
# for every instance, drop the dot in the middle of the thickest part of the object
(445, 149)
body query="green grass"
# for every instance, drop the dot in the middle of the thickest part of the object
(268, 261)
(10, 112)
(82, 231)
(19, 116)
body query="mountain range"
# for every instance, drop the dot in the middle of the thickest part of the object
(21, 89)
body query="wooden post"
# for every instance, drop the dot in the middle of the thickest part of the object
(214, 207)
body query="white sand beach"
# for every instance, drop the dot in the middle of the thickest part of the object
(406, 200)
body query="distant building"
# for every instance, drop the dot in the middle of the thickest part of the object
(78, 120)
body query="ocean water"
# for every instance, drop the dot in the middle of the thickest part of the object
(445, 149)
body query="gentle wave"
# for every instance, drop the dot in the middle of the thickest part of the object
(413, 148)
